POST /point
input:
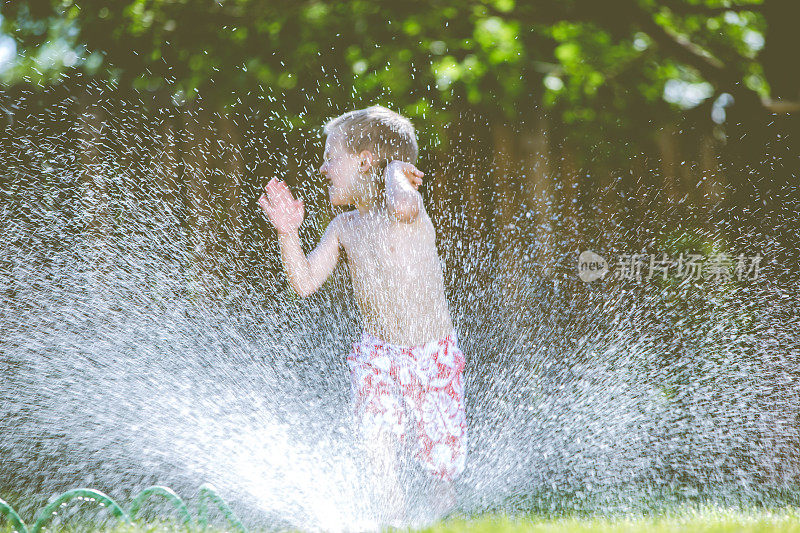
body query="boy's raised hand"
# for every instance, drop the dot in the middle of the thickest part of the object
(285, 213)
(412, 173)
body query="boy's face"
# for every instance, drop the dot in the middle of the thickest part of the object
(344, 171)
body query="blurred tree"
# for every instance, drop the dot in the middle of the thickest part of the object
(619, 79)
(597, 63)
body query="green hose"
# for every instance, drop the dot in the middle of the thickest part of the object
(167, 493)
(13, 517)
(207, 492)
(49, 512)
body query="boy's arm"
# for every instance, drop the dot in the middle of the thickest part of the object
(305, 275)
(402, 197)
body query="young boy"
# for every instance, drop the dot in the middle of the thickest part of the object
(406, 369)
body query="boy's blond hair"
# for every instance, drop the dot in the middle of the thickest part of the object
(386, 134)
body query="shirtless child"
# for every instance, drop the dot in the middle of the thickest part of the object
(406, 369)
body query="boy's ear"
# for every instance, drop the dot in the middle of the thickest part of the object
(365, 160)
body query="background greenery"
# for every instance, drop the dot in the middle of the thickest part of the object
(627, 65)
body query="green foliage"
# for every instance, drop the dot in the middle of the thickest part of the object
(596, 66)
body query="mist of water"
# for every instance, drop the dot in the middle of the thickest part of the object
(133, 356)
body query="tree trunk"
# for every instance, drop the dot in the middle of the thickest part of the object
(90, 124)
(233, 166)
(194, 159)
(539, 190)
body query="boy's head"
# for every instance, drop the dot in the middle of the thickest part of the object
(360, 144)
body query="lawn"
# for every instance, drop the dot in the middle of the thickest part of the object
(691, 519)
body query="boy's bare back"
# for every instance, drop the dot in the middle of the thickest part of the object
(397, 276)
(389, 238)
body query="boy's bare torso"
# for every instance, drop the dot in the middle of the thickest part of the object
(397, 276)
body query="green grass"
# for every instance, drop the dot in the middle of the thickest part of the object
(707, 519)
(701, 519)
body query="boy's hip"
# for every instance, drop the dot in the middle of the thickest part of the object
(376, 363)
(413, 391)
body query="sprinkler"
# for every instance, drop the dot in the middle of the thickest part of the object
(207, 494)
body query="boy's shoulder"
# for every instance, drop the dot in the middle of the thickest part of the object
(342, 221)
(344, 217)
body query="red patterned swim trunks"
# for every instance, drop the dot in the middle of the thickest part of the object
(389, 382)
